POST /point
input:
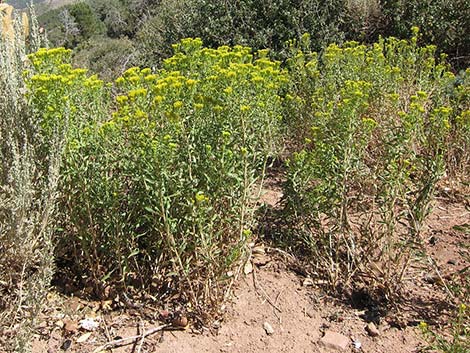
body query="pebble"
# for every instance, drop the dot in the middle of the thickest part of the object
(268, 328)
(335, 340)
(372, 330)
(357, 345)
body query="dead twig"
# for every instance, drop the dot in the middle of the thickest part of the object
(108, 336)
(234, 279)
(285, 254)
(129, 340)
(264, 294)
(142, 329)
(436, 269)
(275, 302)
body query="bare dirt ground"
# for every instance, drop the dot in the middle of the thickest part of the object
(299, 316)
(274, 309)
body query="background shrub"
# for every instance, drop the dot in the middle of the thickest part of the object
(257, 24)
(152, 26)
(442, 23)
(98, 53)
(72, 24)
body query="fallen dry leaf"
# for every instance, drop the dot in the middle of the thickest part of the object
(260, 259)
(164, 314)
(84, 337)
(75, 304)
(248, 268)
(70, 326)
(106, 305)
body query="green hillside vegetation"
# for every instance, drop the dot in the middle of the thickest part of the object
(21, 4)
(40, 5)
(139, 171)
(153, 26)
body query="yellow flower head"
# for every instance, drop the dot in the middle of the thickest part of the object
(177, 104)
(200, 197)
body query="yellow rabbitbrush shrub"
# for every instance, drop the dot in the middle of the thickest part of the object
(379, 125)
(160, 196)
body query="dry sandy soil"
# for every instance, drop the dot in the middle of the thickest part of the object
(299, 316)
(297, 310)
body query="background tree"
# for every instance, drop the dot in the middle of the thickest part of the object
(70, 27)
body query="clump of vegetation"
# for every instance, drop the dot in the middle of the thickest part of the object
(442, 23)
(375, 124)
(457, 342)
(29, 172)
(161, 194)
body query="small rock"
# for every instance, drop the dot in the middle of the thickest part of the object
(372, 330)
(431, 278)
(42, 325)
(66, 344)
(334, 340)
(452, 262)
(357, 345)
(268, 328)
(180, 321)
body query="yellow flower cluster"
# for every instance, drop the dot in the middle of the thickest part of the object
(199, 80)
(55, 88)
